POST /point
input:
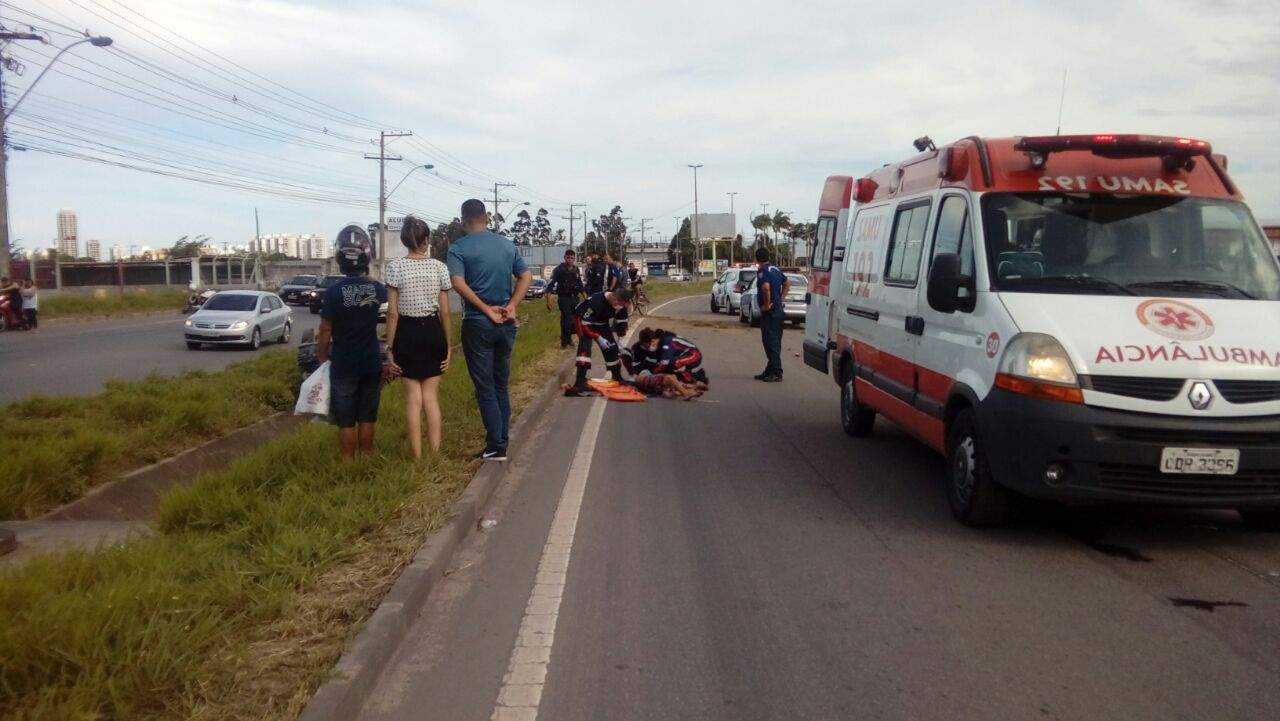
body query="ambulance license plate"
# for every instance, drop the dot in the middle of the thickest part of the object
(1209, 461)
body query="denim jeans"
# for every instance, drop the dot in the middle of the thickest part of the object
(771, 336)
(487, 348)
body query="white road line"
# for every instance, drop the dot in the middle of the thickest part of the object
(521, 692)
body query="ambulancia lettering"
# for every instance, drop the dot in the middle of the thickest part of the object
(1171, 352)
(1112, 184)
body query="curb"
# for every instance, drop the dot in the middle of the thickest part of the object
(8, 541)
(353, 678)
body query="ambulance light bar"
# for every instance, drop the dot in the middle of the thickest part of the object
(864, 190)
(1115, 146)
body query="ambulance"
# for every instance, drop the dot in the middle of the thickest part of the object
(1088, 319)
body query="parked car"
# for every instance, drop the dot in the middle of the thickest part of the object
(793, 306)
(677, 276)
(298, 289)
(239, 317)
(537, 289)
(726, 292)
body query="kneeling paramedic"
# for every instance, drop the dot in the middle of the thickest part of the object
(594, 319)
(348, 338)
(642, 362)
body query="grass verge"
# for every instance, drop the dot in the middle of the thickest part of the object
(110, 302)
(258, 573)
(56, 448)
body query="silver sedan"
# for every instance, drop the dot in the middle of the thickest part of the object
(793, 306)
(239, 317)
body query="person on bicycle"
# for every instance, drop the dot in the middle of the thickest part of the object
(594, 320)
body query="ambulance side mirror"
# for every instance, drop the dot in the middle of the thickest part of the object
(945, 284)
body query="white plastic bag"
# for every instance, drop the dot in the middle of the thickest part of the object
(313, 398)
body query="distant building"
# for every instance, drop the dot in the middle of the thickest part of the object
(306, 246)
(117, 252)
(93, 249)
(68, 233)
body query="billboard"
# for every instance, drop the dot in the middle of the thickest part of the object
(713, 225)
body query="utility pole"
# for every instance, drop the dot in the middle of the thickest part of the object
(257, 233)
(382, 159)
(679, 257)
(496, 187)
(643, 222)
(571, 217)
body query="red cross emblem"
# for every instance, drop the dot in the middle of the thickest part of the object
(1180, 319)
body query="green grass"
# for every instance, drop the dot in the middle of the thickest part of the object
(664, 290)
(240, 603)
(56, 448)
(110, 302)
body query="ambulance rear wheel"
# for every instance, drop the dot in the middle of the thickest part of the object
(1263, 519)
(856, 419)
(974, 496)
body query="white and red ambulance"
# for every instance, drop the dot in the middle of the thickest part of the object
(1083, 318)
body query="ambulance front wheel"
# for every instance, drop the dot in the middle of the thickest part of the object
(857, 419)
(975, 498)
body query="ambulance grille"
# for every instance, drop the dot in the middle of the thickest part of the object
(1150, 481)
(1148, 389)
(1249, 391)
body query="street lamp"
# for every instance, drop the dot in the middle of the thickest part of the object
(428, 166)
(100, 41)
(496, 225)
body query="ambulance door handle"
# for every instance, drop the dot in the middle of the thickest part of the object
(915, 325)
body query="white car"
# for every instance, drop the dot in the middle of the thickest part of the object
(793, 306)
(239, 317)
(677, 276)
(726, 292)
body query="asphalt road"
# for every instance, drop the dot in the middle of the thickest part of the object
(740, 557)
(77, 357)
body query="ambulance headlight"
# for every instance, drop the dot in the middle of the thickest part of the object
(1040, 357)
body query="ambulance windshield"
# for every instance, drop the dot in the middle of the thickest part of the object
(1105, 244)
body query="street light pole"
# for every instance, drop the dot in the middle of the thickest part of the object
(696, 236)
(735, 224)
(428, 166)
(99, 41)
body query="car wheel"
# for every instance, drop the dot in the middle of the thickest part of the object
(974, 496)
(714, 308)
(255, 340)
(755, 322)
(192, 345)
(1262, 519)
(742, 314)
(856, 419)
(286, 333)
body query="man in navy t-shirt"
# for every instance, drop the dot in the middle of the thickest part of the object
(771, 287)
(348, 339)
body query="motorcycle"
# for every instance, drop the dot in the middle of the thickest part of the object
(196, 300)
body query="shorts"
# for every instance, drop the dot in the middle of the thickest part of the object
(354, 399)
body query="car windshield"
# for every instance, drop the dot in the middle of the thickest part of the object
(330, 280)
(539, 283)
(747, 276)
(302, 280)
(231, 301)
(797, 281)
(1107, 244)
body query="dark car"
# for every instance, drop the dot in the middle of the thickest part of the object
(316, 295)
(537, 289)
(296, 290)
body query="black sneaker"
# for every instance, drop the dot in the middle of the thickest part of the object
(493, 456)
(773, 378)
(577, 391)
(762, 376)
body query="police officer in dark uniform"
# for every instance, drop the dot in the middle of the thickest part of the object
(566, 284)
(597, 274)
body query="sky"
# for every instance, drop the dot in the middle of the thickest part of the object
(602, 103)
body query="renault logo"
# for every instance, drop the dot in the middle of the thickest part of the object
(1200, 395)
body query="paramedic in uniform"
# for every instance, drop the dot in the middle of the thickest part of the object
(772, 286)
(566, 283)
(594, 317)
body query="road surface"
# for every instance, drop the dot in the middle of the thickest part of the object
(742, 558)
(76, 357)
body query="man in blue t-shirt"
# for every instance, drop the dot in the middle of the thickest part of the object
(771, 288)
(484, 267)
(348, 339)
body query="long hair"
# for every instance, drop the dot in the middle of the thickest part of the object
(415, 234)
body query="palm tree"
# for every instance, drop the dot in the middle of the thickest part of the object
(762, 223)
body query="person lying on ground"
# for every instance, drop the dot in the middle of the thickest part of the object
(640, 361)
(594, 321)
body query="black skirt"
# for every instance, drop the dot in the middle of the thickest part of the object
(420, 346)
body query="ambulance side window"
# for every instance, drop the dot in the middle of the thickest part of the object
(824, 243)
(906, 245)
(953, 234)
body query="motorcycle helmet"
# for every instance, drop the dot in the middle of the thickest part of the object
(353, 250)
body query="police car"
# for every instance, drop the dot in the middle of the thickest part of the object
(1081, 318)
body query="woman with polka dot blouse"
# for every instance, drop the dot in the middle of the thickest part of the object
(418, 330)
